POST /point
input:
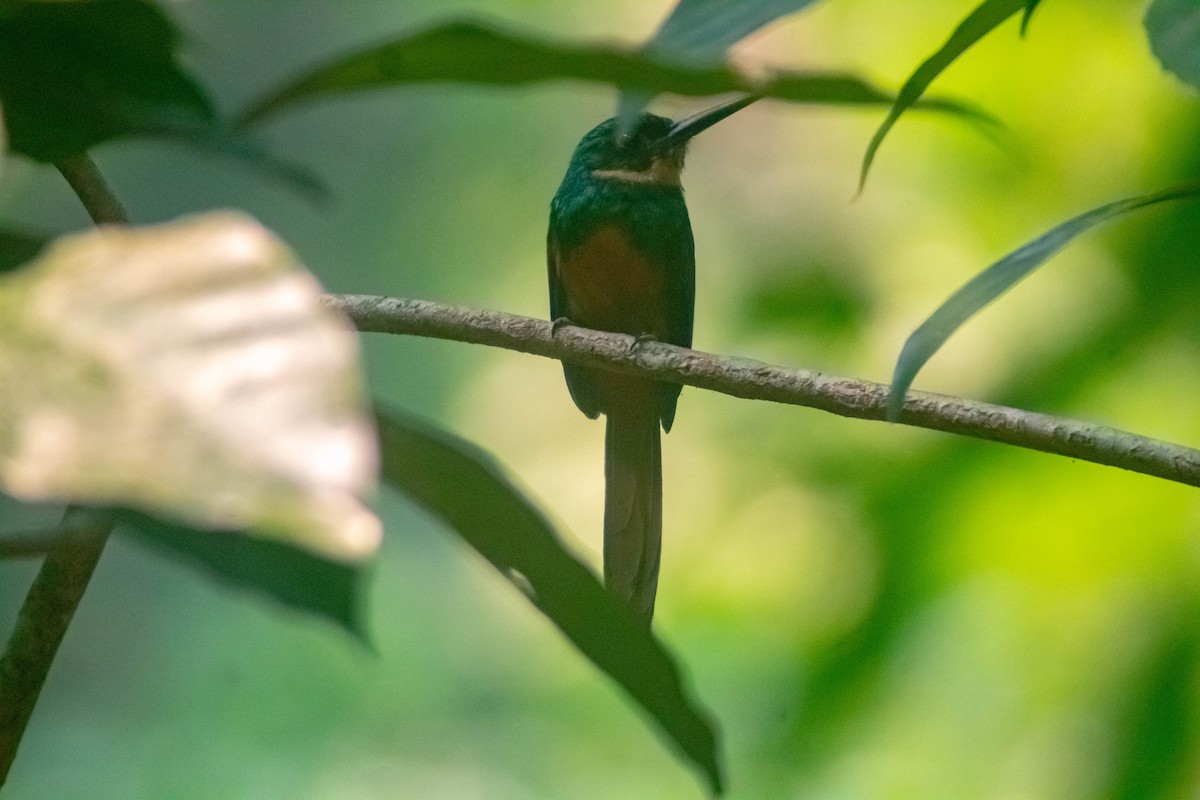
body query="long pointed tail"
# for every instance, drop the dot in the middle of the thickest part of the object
(633, 507)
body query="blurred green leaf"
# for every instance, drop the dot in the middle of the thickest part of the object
(76, 74)
(469, 52)
(702, 30)
(1156, 743)
(999, 278)
(289, 575)
(1173, 27)
(192, 370)
(18, 247)
(464, 486)
(73, 75)
(978, 24)
(823, 303)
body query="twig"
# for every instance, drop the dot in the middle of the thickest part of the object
(41, 625)
(848, 397)
(60, 583)
(92, 190)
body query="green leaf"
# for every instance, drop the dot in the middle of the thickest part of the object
(469, 52)
(73, 75)
(190, 370)
(999, 278)
(17, 247)
(702, 30)
(1173, 27)
(294, 577)
(978, 24)
(464, 486)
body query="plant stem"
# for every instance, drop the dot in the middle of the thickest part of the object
(41, 625)
(60, 583)
(92, 190)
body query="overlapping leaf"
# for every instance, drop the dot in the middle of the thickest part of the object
(464, 486)
(471, 52)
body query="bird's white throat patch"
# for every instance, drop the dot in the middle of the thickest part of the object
(662, 172)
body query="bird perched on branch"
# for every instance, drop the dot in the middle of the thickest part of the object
(620, 258)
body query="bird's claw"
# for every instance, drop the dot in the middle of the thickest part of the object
(557, 323)
(641, 339)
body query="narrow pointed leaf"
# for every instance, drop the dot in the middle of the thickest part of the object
(474, 53)
(1030, 7)
(464, 486)
(1173, 27)
(191, 370)
(978, 24)
(999, 278)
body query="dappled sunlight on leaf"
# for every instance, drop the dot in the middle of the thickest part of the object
(191, 370)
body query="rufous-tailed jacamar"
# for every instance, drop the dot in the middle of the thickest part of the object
(620, 258)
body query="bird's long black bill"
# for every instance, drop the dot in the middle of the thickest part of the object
(688, 127)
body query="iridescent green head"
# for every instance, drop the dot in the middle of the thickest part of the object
(651, 153)
(639, 157)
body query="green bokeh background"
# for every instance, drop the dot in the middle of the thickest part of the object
(870, 611)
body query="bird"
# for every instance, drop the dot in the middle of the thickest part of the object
(620, 257)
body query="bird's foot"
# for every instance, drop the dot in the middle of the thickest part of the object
(641, 339)
(557, 323)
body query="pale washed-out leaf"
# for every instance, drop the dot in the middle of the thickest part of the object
(191, 370)
(702, 30)
(699, 32)
(1173, 27)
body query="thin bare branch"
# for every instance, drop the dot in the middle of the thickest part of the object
(92, 190)
(41, 625)
(847, 397)
(60, 583)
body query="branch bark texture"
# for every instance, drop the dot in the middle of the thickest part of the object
(847, 397)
